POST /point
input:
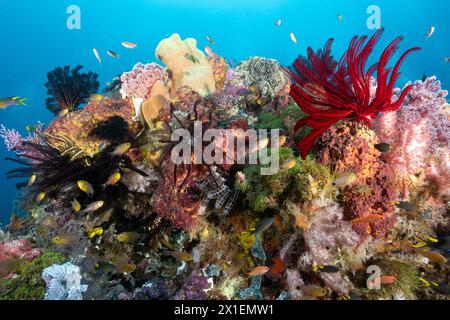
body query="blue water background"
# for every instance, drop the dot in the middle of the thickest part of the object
(35, 40)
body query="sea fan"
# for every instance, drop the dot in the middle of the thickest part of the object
(69, 88)
(329, 91)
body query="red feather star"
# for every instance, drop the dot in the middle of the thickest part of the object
(329, 91)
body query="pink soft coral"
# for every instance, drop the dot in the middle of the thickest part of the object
(17, 249)
(329, 233)
(419, 132)
(419, 129)
(139, 82)
(14, 140)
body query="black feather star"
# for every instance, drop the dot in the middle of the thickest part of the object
(68, 89)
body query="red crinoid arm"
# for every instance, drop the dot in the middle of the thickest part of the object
(306, 144)
(383, 97)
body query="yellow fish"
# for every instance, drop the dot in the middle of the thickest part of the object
(64, 240)
(48, 222)
(312, 291)
(253, 88)
(40, 197)
(182, 256)
(86, 187)
(113, 179)
(76, 205)
(11, 101)
(261, 101)
(427, 283)
(63, 112)
(166, 243)
(95, 232)
(121, 149)
(31, 180)
(288, 164)
(126, 237)
(94, 206)
(282, 140)
(126, 268)
(96, 97)
(345, 179)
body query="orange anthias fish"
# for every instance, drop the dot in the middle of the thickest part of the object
(370, 218)
(258, 271)
(277, 266)
(129, 45)
(384, 280)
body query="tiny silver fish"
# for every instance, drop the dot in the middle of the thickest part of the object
(430, 32)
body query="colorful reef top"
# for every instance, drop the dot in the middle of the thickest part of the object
(196, 178)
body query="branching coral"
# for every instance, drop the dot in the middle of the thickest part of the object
(14, 140)
(329, 91)
(69, 88)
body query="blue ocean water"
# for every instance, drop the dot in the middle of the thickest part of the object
(35, 40)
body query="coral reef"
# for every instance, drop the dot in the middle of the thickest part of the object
(108, 213)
